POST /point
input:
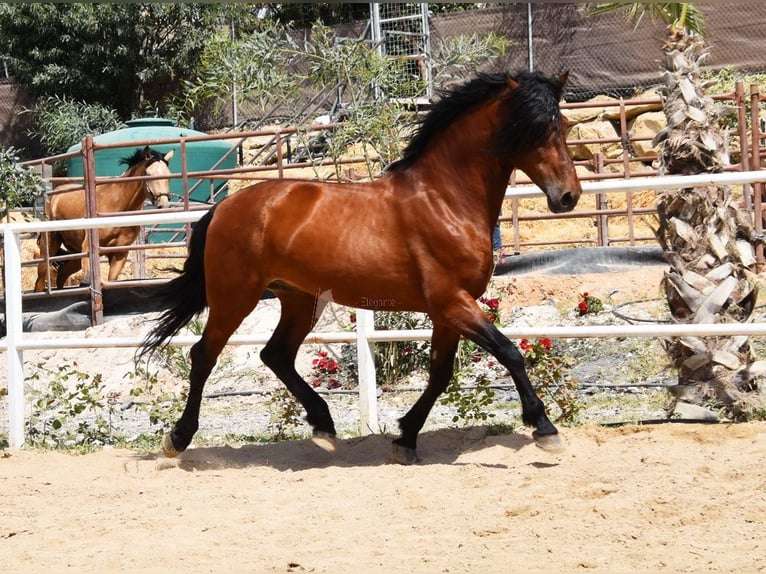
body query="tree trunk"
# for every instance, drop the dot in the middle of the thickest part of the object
(706, 242)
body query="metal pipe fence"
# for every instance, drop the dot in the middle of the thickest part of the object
(365, 336)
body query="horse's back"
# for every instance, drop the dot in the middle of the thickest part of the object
(67, 202)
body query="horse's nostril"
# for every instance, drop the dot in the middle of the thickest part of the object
(567, 201)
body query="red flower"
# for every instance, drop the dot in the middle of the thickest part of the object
(493, 304)
(352, 317)
(315, 383)
(583, 307)
(546, 343)
(524, 344)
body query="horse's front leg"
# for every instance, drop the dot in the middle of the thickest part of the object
(465, 314)
(444, 342)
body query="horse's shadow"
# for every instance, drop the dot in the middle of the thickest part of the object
(443, 446)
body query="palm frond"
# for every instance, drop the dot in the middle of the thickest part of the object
(683, 14)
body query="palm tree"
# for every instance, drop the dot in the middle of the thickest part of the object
(706, 242)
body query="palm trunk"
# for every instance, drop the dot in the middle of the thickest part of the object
(706, 243)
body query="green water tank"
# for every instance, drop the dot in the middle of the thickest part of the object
(201, 155)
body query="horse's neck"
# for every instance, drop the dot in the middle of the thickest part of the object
(122, 196)
(468, 176)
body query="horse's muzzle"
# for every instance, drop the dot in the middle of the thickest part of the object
(565, 202)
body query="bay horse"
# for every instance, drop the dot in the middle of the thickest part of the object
(68, 202)
(416, 239)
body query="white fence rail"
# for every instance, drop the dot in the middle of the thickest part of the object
(15, 342)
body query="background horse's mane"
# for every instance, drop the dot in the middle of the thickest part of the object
(536, 100)
(140, 155)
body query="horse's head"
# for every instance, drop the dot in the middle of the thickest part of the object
(545, 158)
(158, 189)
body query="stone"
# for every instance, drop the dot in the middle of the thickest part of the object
(646, 126)
(600, 130)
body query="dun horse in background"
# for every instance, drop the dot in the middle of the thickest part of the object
(68, 202)
(416, 239)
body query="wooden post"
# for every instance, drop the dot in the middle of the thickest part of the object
(368, 406)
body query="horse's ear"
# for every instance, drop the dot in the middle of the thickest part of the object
(511, 83)
(562, 79)
(147, 153)
(168, 156)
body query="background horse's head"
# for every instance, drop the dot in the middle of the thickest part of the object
(536, 135)
(155, 164)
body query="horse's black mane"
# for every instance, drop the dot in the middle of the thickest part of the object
(532, 112)
(140, 155)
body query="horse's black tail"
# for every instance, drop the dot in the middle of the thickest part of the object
(184, 296)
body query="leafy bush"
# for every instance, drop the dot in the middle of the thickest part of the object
(547, 370)
(59, 123)
(71, 412)
(19, 186)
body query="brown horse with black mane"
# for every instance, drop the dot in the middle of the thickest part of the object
(417, 238)
(69, 202)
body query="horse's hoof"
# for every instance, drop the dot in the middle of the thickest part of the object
(324, 440)
(168, 448)
(404, 455)
(549, 442)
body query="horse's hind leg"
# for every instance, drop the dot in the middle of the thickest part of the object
(116, 264)
(67, 268)
(43, 269)
(49, 245)
(222, 321)
(299, 314)
(444, 342)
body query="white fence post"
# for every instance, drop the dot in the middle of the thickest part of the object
(13, 326)
(368, 399)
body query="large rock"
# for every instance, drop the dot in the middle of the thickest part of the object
(633, 110)
(646, 126)
(596, 130)
(580, 115)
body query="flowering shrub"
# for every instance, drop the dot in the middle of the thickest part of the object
(325, 370)
(546, 370)
(491, 308)
(589, 304)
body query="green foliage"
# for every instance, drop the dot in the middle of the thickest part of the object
(118, 54)
(162, 406)
(397, 360)
(461, 56)
(259, 64)
(547, 371)
(264, 65)
(472, 405)
(60, 122)
(286, 413)
(19, 187)
(71, 412)
(589, 304)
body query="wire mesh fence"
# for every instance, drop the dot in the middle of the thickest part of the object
(606, 53)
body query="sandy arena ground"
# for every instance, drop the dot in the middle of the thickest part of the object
(664, 498)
